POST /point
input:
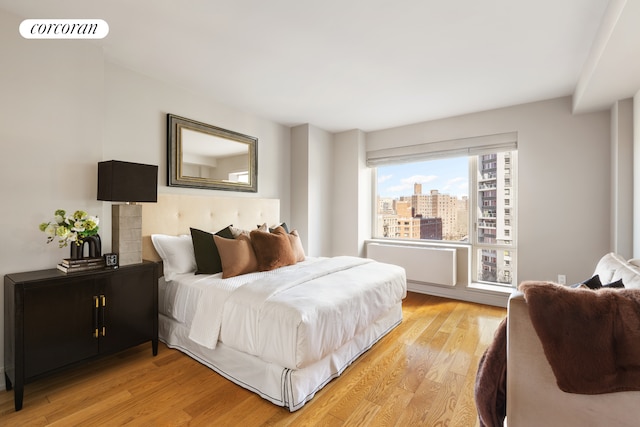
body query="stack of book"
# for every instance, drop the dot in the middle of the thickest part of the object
(83, 264)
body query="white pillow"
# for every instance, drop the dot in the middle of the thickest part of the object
(176, 253)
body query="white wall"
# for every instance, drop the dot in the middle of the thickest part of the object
(321, 187)
(136, 130)
(63, 109)
(564, 177)
(300, 183)
(636, 176)
(311, 187)
(351, 205)
(51, 111)
(622, 178)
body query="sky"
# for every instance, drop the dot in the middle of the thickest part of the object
(448, 176)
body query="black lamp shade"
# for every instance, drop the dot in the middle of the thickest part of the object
(120, 181)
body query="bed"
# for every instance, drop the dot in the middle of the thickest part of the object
(282, 332)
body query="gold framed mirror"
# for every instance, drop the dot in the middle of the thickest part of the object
(206, 156)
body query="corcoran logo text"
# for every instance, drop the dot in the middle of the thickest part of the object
(64, 29)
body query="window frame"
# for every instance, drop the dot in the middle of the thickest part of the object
(474, 246)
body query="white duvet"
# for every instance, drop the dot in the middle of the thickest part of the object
(292, 316)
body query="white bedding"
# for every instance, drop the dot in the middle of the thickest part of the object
(178, 298)
(292, 316)
(283, 387)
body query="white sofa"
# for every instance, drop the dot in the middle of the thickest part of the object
(533, 398)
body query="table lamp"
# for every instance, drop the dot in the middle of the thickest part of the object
(131, 183)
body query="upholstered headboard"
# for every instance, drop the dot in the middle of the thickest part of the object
(174, 214)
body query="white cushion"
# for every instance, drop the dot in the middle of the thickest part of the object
(612, 267)
(177, 254)
(635, 261)
(607, 265)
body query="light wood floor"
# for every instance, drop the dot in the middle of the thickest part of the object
(421, 374)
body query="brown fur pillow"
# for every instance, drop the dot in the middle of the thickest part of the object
(273, 250)
(236, 255)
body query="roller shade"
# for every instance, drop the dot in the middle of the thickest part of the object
(442, 149)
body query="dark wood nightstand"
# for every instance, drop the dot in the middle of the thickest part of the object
(54, 321)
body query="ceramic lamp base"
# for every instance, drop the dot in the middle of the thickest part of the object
(126, 237)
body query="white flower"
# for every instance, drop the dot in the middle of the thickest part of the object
(50, 230)
(70, 229)
(63, 233)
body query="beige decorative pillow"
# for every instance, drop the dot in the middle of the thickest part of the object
(296, 245)
(239, 231)
(237, 256)
(273, 250)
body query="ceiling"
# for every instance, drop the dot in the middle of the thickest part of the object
(360, 64)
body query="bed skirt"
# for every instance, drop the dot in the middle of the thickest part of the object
(281, 386)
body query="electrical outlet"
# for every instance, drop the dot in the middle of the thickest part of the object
(562, 279)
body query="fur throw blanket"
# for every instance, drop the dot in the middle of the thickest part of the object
(591, 338)
(490, 390)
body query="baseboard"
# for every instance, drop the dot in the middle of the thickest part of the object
(498, 299)
(2, 380)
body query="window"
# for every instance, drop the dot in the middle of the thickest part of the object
(432, 216)
(466, 198)
(239, 177)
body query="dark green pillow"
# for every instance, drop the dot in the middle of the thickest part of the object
(206, 251)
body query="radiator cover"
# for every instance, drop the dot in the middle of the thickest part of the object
(423, 264)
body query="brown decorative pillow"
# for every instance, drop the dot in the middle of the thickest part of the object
(273, 250)
(236, 255)
(296, 245)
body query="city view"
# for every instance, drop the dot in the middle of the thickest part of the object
(430, 201)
